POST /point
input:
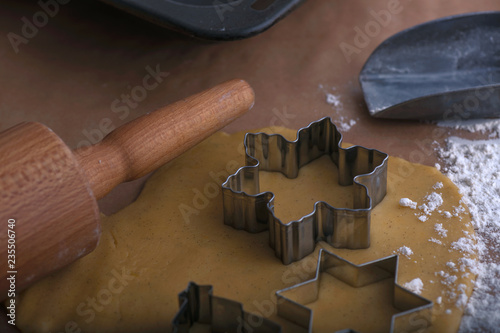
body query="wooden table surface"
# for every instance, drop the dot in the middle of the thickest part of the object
(74, 74)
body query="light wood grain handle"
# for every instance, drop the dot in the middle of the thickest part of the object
(142, 145)
(45, 195)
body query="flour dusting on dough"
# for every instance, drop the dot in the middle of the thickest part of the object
(406, 202)
(431, 203)
(441, 230)
(474, 166)
(405, 251)
(415, 285)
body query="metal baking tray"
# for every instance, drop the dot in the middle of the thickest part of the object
(210, 19)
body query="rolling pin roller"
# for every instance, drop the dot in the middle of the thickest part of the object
(49, 193)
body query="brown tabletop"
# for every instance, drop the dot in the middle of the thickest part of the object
(75, 72)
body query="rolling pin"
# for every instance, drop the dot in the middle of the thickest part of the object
(49, 193)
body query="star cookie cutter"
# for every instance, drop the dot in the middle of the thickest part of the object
(245, 207)
(416, 311)
(198, 305)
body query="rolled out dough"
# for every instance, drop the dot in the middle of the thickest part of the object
(174, 233)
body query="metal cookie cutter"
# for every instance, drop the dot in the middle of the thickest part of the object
(416, 311)
(245, 207)
(198, 305)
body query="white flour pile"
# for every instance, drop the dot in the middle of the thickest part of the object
(415, 285)
(406, 202)
(474, 166)
(405, 251)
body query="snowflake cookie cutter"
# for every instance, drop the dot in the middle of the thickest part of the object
(415, 311)
(245, 207)
(198, 305)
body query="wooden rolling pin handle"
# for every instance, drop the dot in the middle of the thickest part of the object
(142, 145)
(49, 192)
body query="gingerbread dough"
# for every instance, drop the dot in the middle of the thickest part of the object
(174, 233)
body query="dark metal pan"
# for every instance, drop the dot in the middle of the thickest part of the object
(446, 69)
(210, 19)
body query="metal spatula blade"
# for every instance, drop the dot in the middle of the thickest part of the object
(446, 69)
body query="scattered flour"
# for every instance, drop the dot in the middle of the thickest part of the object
(423, 218)
(457, 294)
(467, 245)
(333, 100)
(432, 202)
(405, 251)
(343, 123)
(405, 202)
(451, 264)
(438, 185)
(434, 240)
(447, 214)
(474, 166)
(415, 285)
(441, 230)
(462, 297)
